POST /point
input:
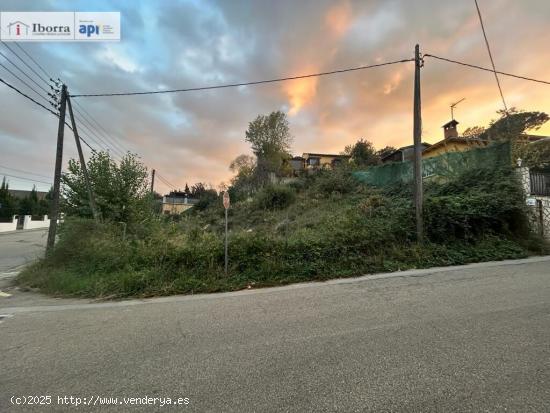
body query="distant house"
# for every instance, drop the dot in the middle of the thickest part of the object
(177, 202)
(452, 142)
(405, 153)
(22, 194)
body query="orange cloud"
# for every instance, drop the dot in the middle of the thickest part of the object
(338, 18)
(300, 92)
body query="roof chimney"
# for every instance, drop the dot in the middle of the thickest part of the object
(450, 130)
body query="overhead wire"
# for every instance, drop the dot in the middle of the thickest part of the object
(23, 171)
(487, 69)
(257, 82)
(491, 57)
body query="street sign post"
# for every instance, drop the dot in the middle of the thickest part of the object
(226, 202)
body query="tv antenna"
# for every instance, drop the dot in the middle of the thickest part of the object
(453, 105)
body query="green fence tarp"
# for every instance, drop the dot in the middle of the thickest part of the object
(448, 165)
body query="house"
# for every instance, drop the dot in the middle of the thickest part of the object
(323, 160)
(452, 142)
(22, 194)
(405, 153)
(177, 202)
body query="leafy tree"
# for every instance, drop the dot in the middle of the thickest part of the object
(7, 202)
(270, 138)
(363, 153)
(186, 190)
(121, 190)
(473, 132)
(244, 182)
(511, 125)
(386, 150)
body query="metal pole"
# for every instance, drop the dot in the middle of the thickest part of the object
(57, 175)
(226, 257)
(417, 134)
(83, 162)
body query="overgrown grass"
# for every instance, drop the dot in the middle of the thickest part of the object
(317, 228)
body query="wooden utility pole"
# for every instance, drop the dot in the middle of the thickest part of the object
(54, 214)
(152, 180)
(83, 163)
(417, 134)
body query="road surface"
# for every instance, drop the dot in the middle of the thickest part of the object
(20, 247)
(474, 338)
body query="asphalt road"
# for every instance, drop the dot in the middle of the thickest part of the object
(20, 247)
(474, 338)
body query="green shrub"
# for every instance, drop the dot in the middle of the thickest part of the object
(275, 197)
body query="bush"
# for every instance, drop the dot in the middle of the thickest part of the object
(275, 197)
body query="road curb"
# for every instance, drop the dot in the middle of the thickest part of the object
(89, 305)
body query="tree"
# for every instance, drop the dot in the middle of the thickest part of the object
(363, 153)
(121, 190)
(511, 125)
(7, 202)
(243, 165)
(244, 182)
(270, 138)
(386, 150)
(473, 132)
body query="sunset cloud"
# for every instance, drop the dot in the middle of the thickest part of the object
(193, 136)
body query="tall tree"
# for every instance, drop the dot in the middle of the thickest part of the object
(122, 189)
(363, 153)
(270, 138)
(7, 202)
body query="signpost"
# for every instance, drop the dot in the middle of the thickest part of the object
(226, 203)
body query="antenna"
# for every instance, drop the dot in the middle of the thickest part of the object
(453, 105)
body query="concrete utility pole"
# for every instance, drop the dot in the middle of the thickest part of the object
(83, 163)
(152, 180)
(54, 214)
(417, 135)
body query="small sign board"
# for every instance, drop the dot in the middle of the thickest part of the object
(226, 200)
(531, 201)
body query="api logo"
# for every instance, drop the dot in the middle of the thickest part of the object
(89, 29)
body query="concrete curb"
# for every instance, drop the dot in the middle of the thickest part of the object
(88, 305)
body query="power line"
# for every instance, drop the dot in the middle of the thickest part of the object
(487, 69)
(43, 107)
(34, 61)
(106, 134)
(23, 72)
(25, 172)
(164, 180)
(26, 179)
(258, 82)
(87, 124)
(24, 62)
(84, 123)
(491, 57)
(28, 97)
(22, 81)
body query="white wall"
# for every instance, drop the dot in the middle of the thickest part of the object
(9, 226)
(28, 223)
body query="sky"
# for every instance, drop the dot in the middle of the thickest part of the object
(192, 137)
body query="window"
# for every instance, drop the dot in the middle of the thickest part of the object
(314, 161)
(540, 182)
